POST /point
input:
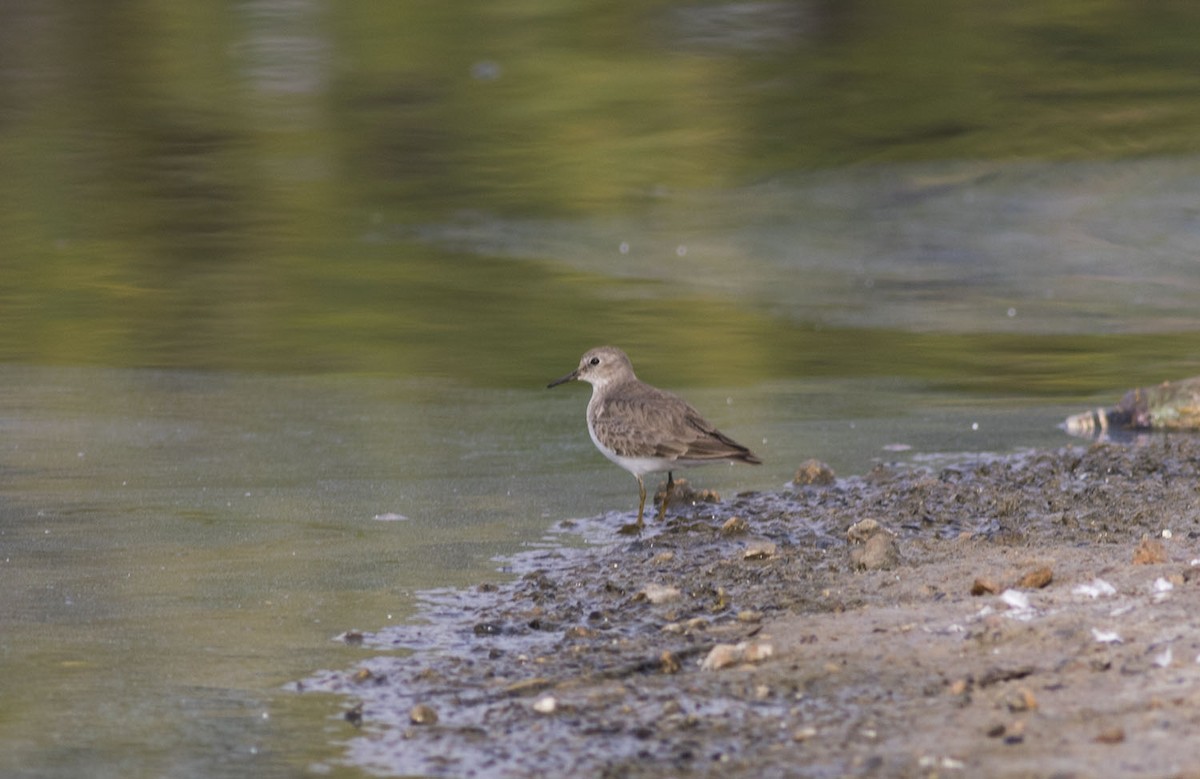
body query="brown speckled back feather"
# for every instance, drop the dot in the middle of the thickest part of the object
(632, 422)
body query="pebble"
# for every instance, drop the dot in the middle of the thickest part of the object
(423, 714)
(735, 526)
(879, 553)
(985, 586)
(547, 704)
(662, 557)
(862, 530)
(658, 593)
(1095, 589)
(686, 627)
(1149, 551)
(725, 655)
(757, 651)
(759, 550)
(1021, 699)
(1015, 600)
(1110, 736)
(875, 546)
(1036, 579)
(815, 473)
(721, 656)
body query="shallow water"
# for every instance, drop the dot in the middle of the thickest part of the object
(281, 286)
(180, 546)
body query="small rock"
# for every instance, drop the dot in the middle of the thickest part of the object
(1150, 551)
(1021, 699)
(862, 530)
(1015, 600)
(658, 593)
(1015, 733)
(1110, 736)
(878, 550)
(815, 473)
(759, 550)
(547, 704)
(985, 586)
(354, 715)
(725, 655)
(352, 637)
(1036, 579)
(1095, 589)
(749, 616)
(422, 714)
(735, 526)
(687, 627)
(721, 656)
(668, 663)
(757, 651)
(804, 733)
(879, 553)
(662, 557)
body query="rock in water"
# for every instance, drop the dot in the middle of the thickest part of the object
(1172, 405)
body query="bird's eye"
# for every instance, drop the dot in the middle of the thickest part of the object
(594, 361)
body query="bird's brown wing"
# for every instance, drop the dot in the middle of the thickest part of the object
(644, 421)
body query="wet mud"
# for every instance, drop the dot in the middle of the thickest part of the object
(1033, 615)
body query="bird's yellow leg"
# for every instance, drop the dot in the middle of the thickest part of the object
(641, 502)
(662, 510)
(635, 528)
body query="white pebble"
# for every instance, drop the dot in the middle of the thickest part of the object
(660, 593)
(1096, 589)
(1015, 599)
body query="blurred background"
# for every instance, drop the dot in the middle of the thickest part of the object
(282, 283)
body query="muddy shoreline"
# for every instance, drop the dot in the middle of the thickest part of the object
(1028, 615)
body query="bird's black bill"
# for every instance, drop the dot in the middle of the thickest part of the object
(569, 377)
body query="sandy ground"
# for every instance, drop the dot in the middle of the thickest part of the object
(1036, 615)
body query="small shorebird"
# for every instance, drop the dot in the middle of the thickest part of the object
(644, 429)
